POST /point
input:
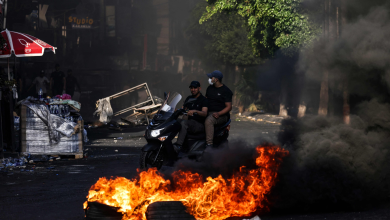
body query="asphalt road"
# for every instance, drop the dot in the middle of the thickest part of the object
(57, 189)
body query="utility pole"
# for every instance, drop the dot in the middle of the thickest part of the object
(5, 14)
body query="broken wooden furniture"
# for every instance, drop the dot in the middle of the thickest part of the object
(143, 109)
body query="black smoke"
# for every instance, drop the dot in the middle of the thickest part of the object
(331, 164)
(219, 161)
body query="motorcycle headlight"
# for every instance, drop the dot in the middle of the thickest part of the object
(155, 133)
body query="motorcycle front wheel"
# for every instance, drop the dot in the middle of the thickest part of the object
(148, 160)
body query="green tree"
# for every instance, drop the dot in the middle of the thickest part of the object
(272, 24)
(221, 39)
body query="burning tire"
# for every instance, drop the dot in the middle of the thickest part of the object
(148, 160)
(98, 211)
(174, 210)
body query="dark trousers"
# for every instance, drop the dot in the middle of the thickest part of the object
(210, 123)
(189, 126)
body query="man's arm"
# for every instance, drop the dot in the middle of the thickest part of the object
(202, 113)
(228, 108)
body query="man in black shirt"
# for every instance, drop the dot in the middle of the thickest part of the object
(220, 104)
(57, 81)
(196, 115)
(71, 83)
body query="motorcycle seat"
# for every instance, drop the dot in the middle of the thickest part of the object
(200, 136)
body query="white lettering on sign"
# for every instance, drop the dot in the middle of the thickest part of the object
(27, 50)
(40, 42)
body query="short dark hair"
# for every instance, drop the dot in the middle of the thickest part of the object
(70, 70)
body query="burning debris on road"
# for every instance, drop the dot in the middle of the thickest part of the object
(211, 198)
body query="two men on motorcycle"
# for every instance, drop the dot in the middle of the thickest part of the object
(206, 112)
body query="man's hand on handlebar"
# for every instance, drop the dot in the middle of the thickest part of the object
(192, 112)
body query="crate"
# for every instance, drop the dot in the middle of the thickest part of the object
(35, 137)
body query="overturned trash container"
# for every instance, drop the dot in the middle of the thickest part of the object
(50, 128)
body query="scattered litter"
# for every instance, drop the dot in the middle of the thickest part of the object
(14, 162)
(120, 138)
(115, 141)
(116, 150)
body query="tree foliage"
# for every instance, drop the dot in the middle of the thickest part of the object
(222, 38)
(273, 24)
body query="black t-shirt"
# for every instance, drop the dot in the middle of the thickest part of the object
(200, 102)
(217, 97)
(58, 78)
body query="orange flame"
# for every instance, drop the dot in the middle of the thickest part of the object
(216, 198)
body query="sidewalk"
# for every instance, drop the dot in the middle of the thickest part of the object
(261, 117)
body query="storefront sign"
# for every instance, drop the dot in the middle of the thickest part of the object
(80, 22)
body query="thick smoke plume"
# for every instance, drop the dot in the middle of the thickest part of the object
(333, 164)
(221, 161)
(360, 55)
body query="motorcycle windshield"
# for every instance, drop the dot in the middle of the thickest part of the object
(173, 100)
(170, 103)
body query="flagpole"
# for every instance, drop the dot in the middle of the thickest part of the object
(9, 75)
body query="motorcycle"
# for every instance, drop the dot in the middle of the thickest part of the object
(164, 127)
